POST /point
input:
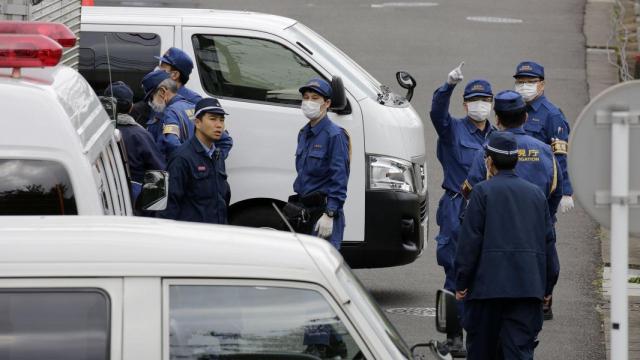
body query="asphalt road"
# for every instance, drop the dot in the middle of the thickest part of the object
(428, 40)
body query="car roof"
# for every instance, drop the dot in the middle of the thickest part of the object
(186, 17)
(55, 109)
(122, 246)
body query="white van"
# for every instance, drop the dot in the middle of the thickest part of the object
(60, 153)
(114, 287)
(255, 63)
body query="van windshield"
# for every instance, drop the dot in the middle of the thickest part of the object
(348, 67)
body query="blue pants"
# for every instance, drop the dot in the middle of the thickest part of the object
(502, 328)
(448, 219)
(338, 230)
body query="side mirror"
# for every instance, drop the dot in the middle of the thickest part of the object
(406, 81)
(339, 102)
(155, 191)
(446, 312)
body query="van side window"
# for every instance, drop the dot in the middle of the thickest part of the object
(131, 56)
(221, 321)
(35, 187)
(54, 324)
(250, 69)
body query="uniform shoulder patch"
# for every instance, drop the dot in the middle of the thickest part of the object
(171, 129)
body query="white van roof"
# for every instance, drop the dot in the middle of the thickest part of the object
(186, 17)
(51, 109)
(118, 246)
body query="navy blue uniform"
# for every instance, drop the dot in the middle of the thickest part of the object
(174, 126)
(507, 260)
(458, 142)
(536, 164)
(189, 95)
(197, 184)
(322, 163)
(547, 123)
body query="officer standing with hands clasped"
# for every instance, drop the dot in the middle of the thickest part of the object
(322, 162)
(198, 188)
(506, 263)
(458, 142)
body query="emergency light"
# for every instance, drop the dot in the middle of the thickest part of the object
(20, 51)
(58, 32)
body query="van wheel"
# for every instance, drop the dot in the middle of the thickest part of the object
(260, 216)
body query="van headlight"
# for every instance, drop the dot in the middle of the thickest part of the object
(388, 173)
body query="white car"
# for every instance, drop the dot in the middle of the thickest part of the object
(104, 287)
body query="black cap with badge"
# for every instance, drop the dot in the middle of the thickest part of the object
(209, 105)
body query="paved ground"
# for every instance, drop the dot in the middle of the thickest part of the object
(428, 41)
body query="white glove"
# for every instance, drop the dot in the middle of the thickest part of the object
(566, 204)
(455, 76)
(324, 226)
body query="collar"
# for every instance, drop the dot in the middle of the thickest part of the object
(517, 131)
(506, 173)
(203, 148)
(125, 119)
(321, 125)
(537, 102)
(175, 99)
(472, 128)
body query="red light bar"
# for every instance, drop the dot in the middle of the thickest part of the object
(56, 31)
(20, 51)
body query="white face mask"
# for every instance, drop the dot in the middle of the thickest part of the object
(311, 109)
(527, 91)
(479, 110)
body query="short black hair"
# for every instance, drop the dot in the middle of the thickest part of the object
(512, 119)
(503, 162)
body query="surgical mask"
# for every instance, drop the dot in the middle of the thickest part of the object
(157, 108)
(527, 91)
(311, 109)
(479, 110)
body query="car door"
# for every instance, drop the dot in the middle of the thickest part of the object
(255, 319)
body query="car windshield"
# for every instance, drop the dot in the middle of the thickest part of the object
(356, 290)
(348, 67)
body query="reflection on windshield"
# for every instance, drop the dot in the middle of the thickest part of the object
(209, 321)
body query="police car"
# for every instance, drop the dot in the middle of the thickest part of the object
(59, 151)
(114, 287)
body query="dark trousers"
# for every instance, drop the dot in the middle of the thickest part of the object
(502, 328)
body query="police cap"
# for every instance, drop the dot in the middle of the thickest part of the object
(529, 69)
(509, 101)
(209, 105)
(317, 85)
(120, 91)
(502, 143)
(179, 60)
(477, 87)
(151, 81)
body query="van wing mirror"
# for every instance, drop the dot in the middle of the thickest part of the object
(155, 191)
(339, 102)
(406, 81)
(446, 312)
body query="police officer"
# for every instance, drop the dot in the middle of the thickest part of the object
(506, 262)
(197, 178)
(322, 161)
(537, 163)
(172, 124)
(546, 122)
(142, 151)
(179, 66)
(458, 142)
